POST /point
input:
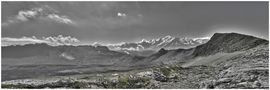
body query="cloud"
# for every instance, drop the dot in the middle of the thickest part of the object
(60, 19)
(121, 14)
(61, 40)
(23, 39)
(54, 41)
(201, 38)
(140, 15)
(43, 12)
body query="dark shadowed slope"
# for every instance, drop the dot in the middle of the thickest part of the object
(228, 43)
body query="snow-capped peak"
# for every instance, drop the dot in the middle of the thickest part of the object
(168, 42)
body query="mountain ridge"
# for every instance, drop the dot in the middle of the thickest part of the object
(148, 47)
(228, 42)
(219, 43)
(167, 42)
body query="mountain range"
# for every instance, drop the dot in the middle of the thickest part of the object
(148, 47)
(219, 42)
(167, 42)
(142, 48)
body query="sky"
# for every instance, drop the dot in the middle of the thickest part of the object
(115, 22)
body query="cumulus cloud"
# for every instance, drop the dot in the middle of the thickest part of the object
(121, 14)
(6, 41)
(43, 12)
(61, 40)
(97, 44)
(54, 41)
(60, 19)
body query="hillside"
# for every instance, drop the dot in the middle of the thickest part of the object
(227, 43)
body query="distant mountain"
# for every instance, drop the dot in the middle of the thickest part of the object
(148, 47)
(167, 42)
(87, 54)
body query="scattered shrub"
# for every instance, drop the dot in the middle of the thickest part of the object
(123, 81)
(165, 71)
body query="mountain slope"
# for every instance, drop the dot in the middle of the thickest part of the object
(227, 43)
(219, 43)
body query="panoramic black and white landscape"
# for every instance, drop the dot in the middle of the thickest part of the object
(128, 45)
